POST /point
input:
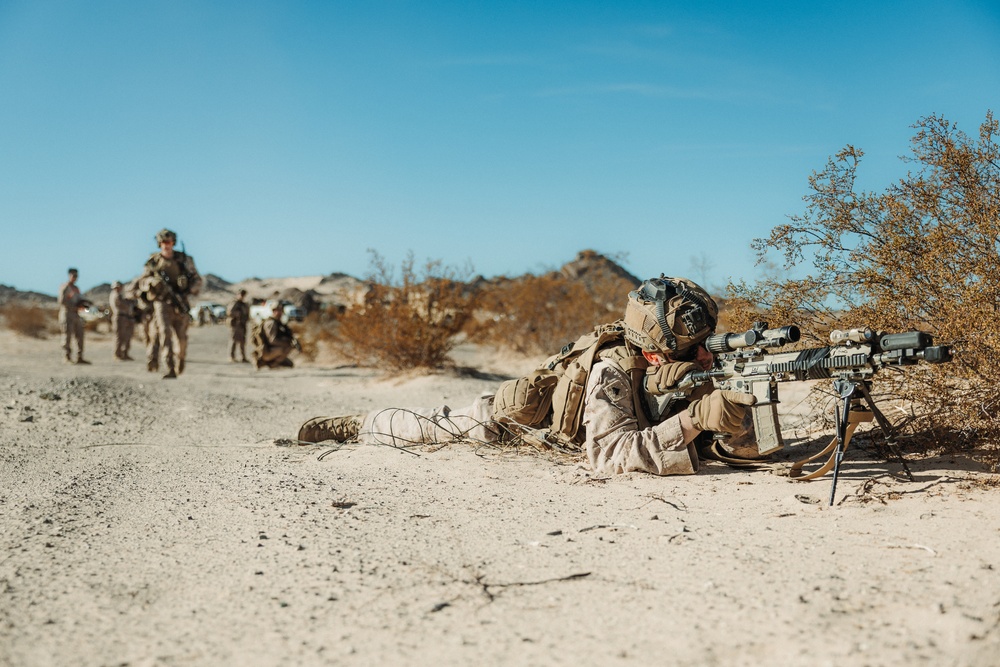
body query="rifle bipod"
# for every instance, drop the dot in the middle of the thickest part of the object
(857, 408)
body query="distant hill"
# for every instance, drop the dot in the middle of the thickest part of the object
(8, 294)
(589, 267)
(592, 267)
(213, 283)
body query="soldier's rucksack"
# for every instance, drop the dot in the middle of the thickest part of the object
(551, 398)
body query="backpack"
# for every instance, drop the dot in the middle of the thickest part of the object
(551, 397)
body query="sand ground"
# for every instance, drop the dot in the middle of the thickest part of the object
(150, 522)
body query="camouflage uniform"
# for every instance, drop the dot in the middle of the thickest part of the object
(239, 315)
(69, 318)
(168, 282)
(620, 438)
(275, 342)
(152, 337)
(122, 321)
(628, 423)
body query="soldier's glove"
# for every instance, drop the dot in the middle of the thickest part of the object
(721, 411)
(663, 379)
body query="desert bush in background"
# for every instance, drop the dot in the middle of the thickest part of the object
(27, 320)
(538, 315)
(922, 254)
(409, 322)
(317, 330)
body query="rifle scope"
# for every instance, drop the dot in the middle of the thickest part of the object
(760, 335)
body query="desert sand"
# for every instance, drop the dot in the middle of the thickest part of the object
(149, 522)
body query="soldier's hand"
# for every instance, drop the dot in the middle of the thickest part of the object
(721, 411)
(664, 378)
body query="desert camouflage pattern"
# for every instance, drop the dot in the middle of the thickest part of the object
(171, 322)
(122, 322)
(407, 426)
(151, 336)
(643, 329)
(70, 323)
(275, 343)
(619, 439)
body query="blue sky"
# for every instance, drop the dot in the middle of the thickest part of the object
(287, 138)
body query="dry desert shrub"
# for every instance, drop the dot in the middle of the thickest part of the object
(316, 331)
(29, 320)
(922, 254)
(540, 314)
(409, 322)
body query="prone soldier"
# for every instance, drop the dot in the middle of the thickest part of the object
(596, 395)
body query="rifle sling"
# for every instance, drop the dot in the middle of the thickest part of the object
(855, 417)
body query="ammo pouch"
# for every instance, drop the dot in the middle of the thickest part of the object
(552, 396)
(526, 400)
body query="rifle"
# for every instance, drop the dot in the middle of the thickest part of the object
(744, 363)
(173, 294)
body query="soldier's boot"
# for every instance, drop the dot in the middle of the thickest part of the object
(81, 360)
(152, 366)
(170, 375)
(180, 366)
(340, 429)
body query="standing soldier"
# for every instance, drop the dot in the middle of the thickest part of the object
(168, 278)
(122, 321)
(70, 303)
(239, 314)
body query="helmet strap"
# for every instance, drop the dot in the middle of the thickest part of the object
(661, 318)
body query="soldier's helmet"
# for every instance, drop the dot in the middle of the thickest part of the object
(274, 305)
(670, 316)
(116, 284)
(165, 235)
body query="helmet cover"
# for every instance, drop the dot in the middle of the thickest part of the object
(165, 235)
(669, 315)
